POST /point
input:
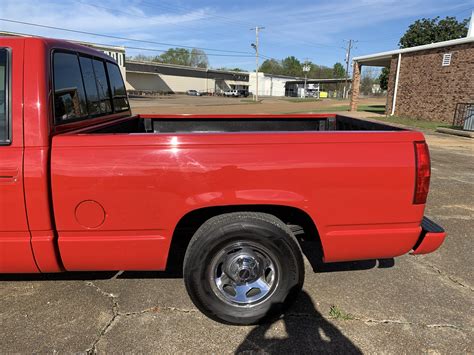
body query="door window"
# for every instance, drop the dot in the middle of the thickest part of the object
(4, 97)
(69, 95)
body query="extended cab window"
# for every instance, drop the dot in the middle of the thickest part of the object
(97, 88)
(102, 86)
(69, 95)
(4, 99)
(119, 94)
(92, 94)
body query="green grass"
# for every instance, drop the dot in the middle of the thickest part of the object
(411, 122)
(336, 313)
(380, 109)
(250, 101)
(301, 99)
(362, 108)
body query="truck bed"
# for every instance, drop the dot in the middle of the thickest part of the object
(139, 175)
(234, 123)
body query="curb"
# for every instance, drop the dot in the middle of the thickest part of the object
(455, 132)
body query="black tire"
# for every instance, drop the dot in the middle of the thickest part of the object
(263, 239)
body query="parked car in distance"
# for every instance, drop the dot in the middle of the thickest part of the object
(193, 93)
(243, 93)
(85, 185)
(231, 93)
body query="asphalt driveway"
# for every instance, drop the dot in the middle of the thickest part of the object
(419, 304)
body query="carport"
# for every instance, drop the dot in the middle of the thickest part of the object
(374, 60)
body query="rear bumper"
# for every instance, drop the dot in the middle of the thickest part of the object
(431, 237)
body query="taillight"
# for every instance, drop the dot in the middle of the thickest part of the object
(423, 173)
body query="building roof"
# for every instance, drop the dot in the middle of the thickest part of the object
(383, 58)
(319, 81)
(184, 67)
(140, 67)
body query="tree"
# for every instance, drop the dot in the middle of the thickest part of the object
(198, 58)
(366, 84)
(426, 31)
(180, 56)
(369, 78)
(383, 78)
(231, 69)
(143, 58)
(292, 66)
(271, 66)
(338, 70)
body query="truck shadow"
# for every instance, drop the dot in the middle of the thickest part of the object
(308, 332)
(311, 250)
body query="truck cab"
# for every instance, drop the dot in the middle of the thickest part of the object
(52, 100)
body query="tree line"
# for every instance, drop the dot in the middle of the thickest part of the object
(291, 66)
(195, 58)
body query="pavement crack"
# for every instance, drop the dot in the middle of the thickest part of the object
(366, 320)
(158, 309)
(446, 275)
(401, 322)
(115, 314)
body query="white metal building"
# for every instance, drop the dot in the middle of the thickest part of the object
(171, 78)
(269, 84)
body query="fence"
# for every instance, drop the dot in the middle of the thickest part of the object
(464, 116)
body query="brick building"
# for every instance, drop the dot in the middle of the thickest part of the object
(426, 81)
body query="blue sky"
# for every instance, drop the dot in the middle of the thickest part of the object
(306, 29)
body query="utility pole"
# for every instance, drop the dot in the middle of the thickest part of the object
(255, 46)
(306, 69)
(350, 44)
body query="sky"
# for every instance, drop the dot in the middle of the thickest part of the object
(314, 30)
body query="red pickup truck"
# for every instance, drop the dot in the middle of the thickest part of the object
(86, 185)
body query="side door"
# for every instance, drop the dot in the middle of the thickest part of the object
(15, 246)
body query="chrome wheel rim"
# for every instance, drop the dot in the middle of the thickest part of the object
(244, 274)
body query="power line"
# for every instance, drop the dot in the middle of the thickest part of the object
(465, 9)
(219, 17)
(118, 37)
(209, 55)
(150, 49)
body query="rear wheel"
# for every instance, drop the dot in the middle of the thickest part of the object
(243, 268)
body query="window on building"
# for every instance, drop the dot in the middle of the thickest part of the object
(69, 95)
(446, 59)
(117, 86)
(4, 97)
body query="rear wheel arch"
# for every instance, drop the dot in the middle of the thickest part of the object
(191, 221)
